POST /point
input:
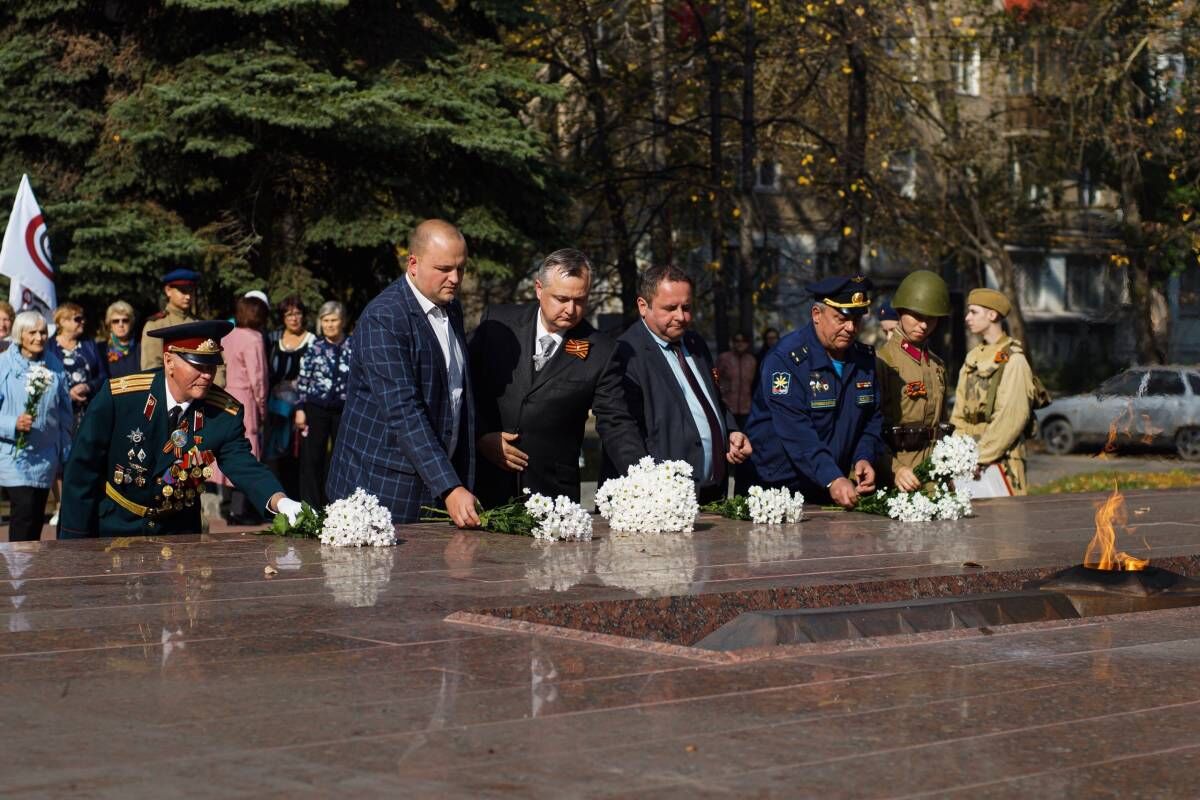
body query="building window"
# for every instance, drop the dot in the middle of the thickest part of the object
(902, 172)
(1022, 73)
(1170, 69)
(1086, 189)
(766, 177)
(1041, 282)
(965, 63)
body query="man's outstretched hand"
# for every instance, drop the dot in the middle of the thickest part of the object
(460, 504)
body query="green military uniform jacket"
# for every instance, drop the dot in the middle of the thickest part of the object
(129, 475)
(912, 391)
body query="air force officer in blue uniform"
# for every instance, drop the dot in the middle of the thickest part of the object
(815, 418)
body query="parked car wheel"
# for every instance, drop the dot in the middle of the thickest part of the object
(1058, 436)
(1187, 444)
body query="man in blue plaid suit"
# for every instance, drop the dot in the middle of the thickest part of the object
(408, 428)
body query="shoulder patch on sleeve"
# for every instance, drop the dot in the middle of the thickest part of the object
(223, 400)
(137, 382)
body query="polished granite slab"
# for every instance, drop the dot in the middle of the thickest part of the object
(180, 667)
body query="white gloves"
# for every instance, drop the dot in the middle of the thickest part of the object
(289, 508)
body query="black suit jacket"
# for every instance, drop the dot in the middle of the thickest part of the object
(653, 394)
(548, 408)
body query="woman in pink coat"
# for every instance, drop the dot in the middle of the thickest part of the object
(246, 379)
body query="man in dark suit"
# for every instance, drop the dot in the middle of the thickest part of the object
(408, 428)
(538, 368)
(671, 388)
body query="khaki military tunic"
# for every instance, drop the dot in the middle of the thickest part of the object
(1001, 436)
(912, 391)
(152, 348)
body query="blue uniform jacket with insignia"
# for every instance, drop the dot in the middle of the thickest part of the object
(123, 458)
(808, 426)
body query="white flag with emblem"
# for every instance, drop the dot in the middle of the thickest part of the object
(25, 256)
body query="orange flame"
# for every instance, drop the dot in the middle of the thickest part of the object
(1102, 550)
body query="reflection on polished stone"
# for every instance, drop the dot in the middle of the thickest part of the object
(942, 540)
(560, 565)
(16, 560)
(284, 555)
(651, 564)
(356, 575)
(178, 668)
(766, 543)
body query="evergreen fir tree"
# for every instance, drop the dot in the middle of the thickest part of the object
(288, 143)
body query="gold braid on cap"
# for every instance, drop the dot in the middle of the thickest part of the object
(857, 300)
(205, 348)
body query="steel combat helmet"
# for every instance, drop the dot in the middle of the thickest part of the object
(925, 293)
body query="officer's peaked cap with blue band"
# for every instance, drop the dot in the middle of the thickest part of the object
(849, 294)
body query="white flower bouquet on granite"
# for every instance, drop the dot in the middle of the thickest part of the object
(560, 518)
(954, 460)
(651, 498)
(537, 516)
(762, 506)
(359, 520)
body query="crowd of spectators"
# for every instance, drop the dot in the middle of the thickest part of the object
(289, 379)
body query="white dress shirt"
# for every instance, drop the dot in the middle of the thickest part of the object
(172, 403)
(439, 320)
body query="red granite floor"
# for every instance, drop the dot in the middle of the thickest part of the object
(159, 668)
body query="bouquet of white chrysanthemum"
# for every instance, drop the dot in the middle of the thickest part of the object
(941, 503)
(560, 518)
(36, 383)
(651, 498)
(774, 506)
(764, 506)
(911, 507)
(357, 521)
(954, 457)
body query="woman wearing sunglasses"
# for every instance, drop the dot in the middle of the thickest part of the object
(84, 364)
(122, 351)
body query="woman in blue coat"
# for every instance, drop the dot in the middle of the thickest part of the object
(33, 446)
(81, 359)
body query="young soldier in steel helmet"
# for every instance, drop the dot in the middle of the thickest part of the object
(912, 380)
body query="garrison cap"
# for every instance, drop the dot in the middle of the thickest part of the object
(849, 294)
(182, 276)
(990, 298)
(198, 343)
(886, 313)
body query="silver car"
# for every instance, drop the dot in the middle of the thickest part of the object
(1142, 405)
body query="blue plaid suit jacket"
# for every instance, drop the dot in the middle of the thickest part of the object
(396, 424)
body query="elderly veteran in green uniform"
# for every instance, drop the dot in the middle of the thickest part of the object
(149, 441)
(912, 380)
